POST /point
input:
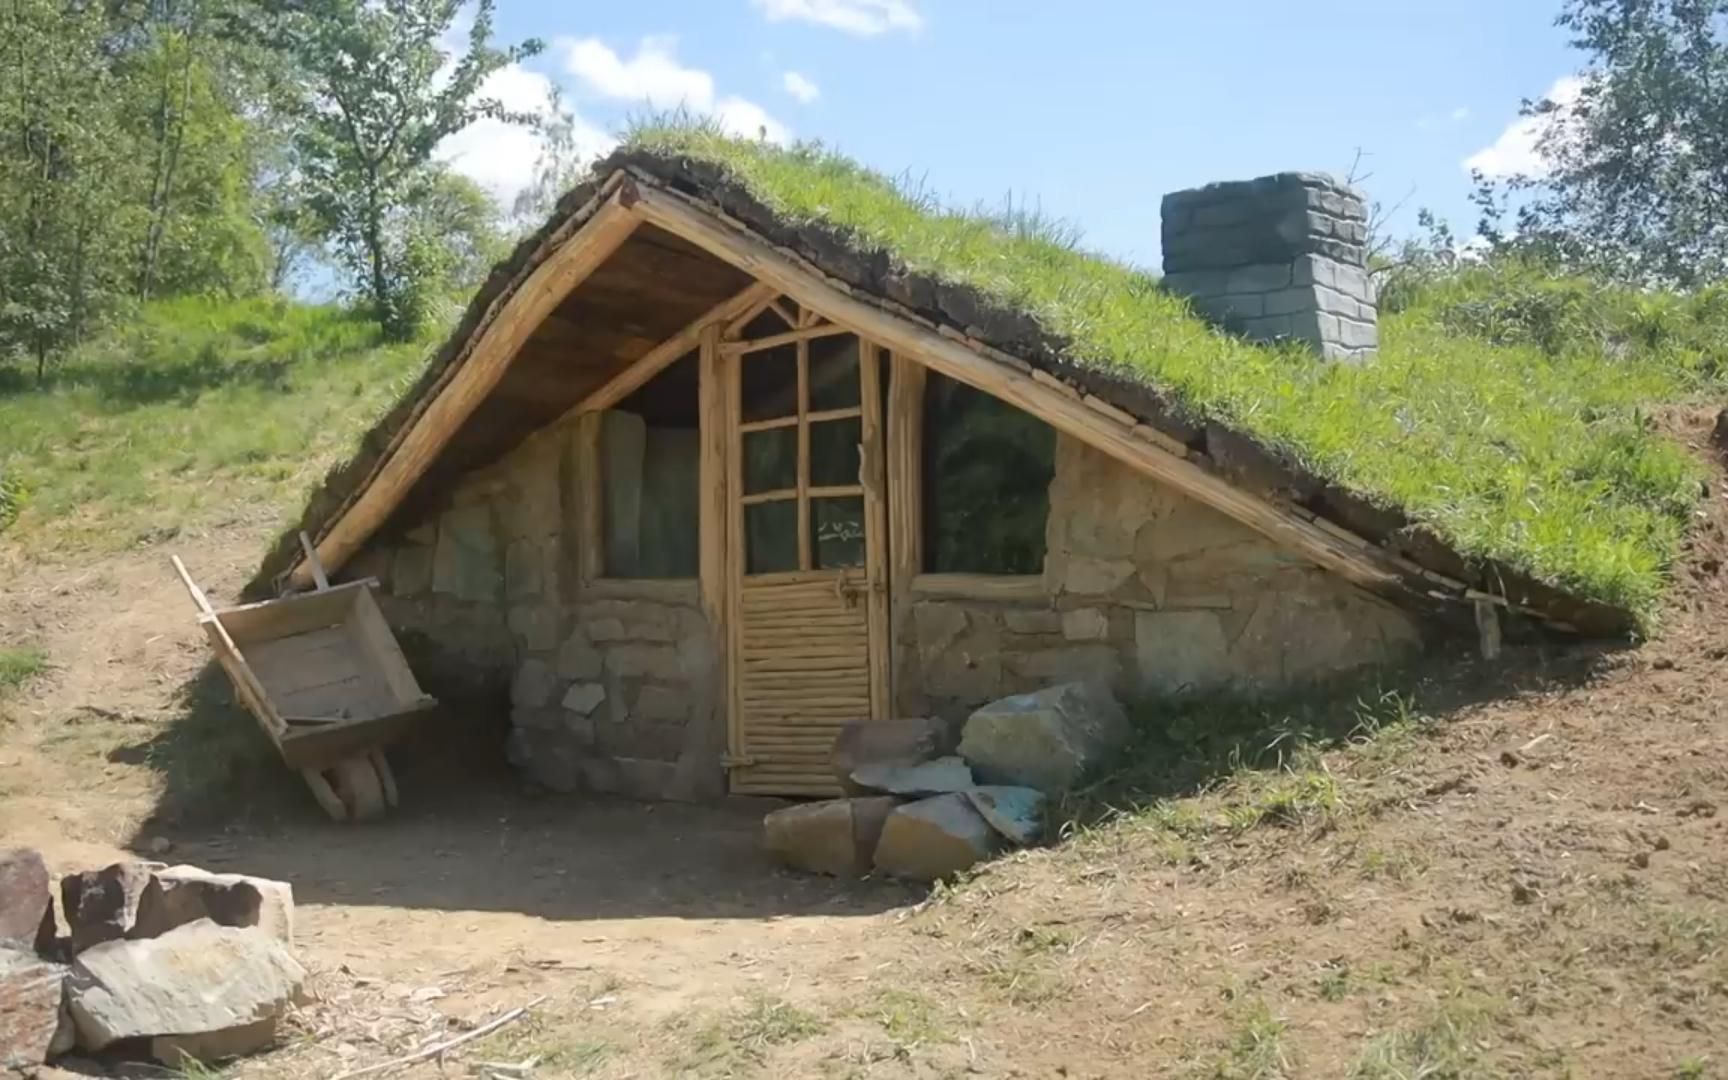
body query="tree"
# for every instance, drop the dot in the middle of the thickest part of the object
(1637, 185)
(560, 166)
(376, 95)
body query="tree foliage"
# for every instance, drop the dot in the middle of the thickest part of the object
(1637, 180)
(374, 97)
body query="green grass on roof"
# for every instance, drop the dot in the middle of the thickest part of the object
(1508, 409)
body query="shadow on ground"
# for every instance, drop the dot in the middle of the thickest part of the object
(468, 835)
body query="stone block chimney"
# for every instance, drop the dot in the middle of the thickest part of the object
(1281, 258)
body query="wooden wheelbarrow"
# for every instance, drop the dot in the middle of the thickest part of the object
(326, 680)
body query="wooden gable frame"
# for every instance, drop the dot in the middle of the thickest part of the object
(627, 200)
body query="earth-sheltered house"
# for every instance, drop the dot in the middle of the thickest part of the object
(698, 481)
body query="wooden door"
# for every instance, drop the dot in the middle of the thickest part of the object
(808, 576)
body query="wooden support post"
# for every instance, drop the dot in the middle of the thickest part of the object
(905, 431)
(1488, 628)
(715, 497)
(590, 499)
(872, 471)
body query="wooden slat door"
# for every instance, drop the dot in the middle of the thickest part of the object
(809, 588)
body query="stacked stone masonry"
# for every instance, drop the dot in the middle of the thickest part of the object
(615, 686)
(1281, 258)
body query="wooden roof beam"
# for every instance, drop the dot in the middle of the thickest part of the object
(638, 372)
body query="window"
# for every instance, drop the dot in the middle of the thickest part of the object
(649, 457)
(987, 472)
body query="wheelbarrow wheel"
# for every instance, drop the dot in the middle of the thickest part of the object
(325, 794)
(359, 786)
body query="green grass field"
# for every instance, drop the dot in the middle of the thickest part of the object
(194, 412)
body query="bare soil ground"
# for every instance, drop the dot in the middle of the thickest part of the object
(1526, 874)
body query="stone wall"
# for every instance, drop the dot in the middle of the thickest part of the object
(1283, 257)
(614, 686)
(1151, 591)
(610, 686)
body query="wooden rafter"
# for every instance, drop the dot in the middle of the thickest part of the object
(1061, 408)
(563, 270)
(661, 356)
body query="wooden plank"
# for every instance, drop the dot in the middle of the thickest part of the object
(662, 356)
(787, 338)
(1062, 410)
(872, 476)
(982, 587)
(735, 328)
(779, 308)
(372, 635)
(712, 409)
(730, 368)
(816, 417)
(589, 496)
(288, 615)
(405, 462)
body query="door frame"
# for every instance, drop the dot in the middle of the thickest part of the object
(725, 350)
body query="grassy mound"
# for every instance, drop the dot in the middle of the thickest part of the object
(192, 412)
(1507, 410)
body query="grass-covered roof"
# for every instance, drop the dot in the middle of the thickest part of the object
(1509, 410)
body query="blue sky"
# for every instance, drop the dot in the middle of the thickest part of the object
(1091, 109)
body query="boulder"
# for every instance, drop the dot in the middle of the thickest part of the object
(195, 979)
(100, 905)
(888, 742)
(1046, 739)
(937, 777)
(1015, 812)
(818, 837)
(935, 838)
(26, 905)
(182, 894)
(187, 1052)
(32, 1027)
(869, 817)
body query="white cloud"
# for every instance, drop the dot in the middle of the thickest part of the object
(655, 75)
(800, 87)
(499, 156)
(1460, 114)
(1515, 151)
(866, 17)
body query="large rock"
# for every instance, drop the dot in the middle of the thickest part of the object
(937, 777)
(182, 894)
(26, 905)
(1015, 812)
(194, 979)
(31, 1017)
(935, 838)
(888, 742)
(100, 905)
(835, 836)
(1046, 739)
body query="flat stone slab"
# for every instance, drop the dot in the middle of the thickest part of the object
(928, 778)
(1046, 739)
(935, 838)
(194, 979)
(26, 904)
(179, 895)
(206, 1048)
(1015, 812)
(31, 1017)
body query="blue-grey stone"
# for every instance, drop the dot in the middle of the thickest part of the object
(1015, 812)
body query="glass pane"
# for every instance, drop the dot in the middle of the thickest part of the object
(771, 537)
(770, 459)
(987, 472)
(833, 372)
(834, 452)
(649, 497)
(770, 380)
(838, 528)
